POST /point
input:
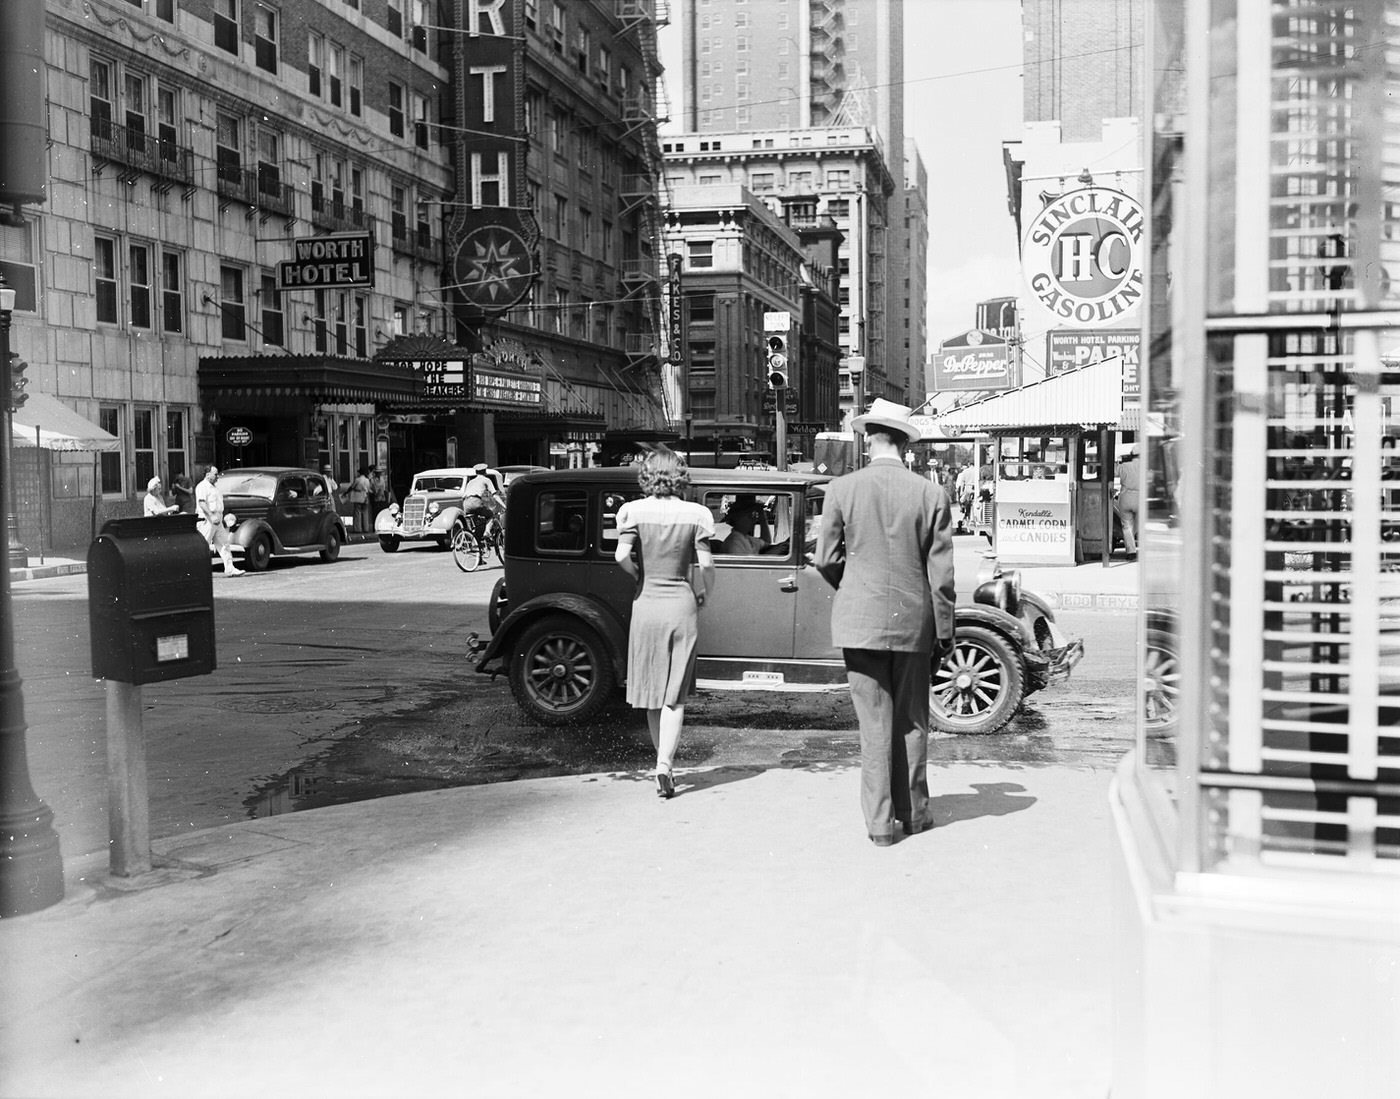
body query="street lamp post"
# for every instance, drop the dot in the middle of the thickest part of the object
(31, 870)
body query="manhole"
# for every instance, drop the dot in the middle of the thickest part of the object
(264, 705)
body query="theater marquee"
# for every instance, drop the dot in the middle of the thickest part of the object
(1082, 257)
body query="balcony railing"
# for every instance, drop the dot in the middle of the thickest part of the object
(142, 151)
(639, 270)
(415, 242)
(337, 216)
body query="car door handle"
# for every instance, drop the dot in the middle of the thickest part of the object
(787, 583)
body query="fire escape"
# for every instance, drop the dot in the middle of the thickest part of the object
(643, 265)
(828, 59)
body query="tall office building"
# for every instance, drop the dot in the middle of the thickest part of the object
(787, 64)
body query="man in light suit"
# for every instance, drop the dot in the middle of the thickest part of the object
(886, 546)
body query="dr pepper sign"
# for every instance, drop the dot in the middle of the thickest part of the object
(1082, 256)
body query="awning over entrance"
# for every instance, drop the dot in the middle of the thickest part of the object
(327, 379)
(47, 423)
(1091, 396)
(569, 425)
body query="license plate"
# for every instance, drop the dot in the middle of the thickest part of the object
(763, 677)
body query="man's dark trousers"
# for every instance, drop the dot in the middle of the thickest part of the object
(890, 692)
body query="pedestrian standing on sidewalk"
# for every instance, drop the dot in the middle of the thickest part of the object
(886, 546)
(210, 502)
(184, 494)
(154, 504)
(358, 497)
(671, 536)
(1128, 498)
(380, 494)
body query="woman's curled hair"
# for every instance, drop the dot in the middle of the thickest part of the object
(663, 473)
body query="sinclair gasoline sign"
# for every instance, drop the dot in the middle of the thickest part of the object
(328, 262)
(1082, 256)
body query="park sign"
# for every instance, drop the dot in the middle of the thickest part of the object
(1082, 256)
(974, 362)
(324, 263)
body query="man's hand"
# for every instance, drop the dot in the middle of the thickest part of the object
(942, 649)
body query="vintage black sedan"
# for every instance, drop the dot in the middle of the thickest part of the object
(274, 511)
(559, 615)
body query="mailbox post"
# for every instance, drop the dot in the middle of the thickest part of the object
(151, 612)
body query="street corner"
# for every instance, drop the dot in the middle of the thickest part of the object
(1093, 601)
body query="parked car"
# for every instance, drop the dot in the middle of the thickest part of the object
(508, 474)
(274, 511)
(559, 616)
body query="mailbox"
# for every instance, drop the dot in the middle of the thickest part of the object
(150, 600)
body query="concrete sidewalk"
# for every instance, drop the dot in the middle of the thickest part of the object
(579, 936)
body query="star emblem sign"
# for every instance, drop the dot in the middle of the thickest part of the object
(491, 261)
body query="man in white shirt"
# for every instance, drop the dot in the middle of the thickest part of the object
(209, 505)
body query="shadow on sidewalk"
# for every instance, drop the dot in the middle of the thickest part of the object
(993, 799)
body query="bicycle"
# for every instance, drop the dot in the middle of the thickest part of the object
(470, 551)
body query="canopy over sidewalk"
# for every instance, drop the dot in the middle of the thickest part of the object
(47, 423)
(1089, 396)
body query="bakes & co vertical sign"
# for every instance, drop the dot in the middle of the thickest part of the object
(1082, 256)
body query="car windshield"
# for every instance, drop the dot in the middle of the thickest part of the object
(247, 484)
(438, 484)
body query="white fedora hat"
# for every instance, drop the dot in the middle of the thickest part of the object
(887, 416)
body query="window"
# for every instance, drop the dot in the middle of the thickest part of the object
(423, 225)
(269, 163)
(534, 106)
(356, 81)
(134, 107)
(143, 445)
(165, 9)
(560, 521)
(605, 248)
(357, 192)
(360, 330)
(556, 133)
(104, 260)
(362, 441)
(558, 23)
(265, 38)
(420, 121)
(838, 179)
(167, 111)
(561, 218)
(231, 305)
(100, 98)
(706, 180)
(320, 304)
(396, 109)
(109, 419)
(176, 456)
(228, 148)
(761, 183)
(701, 253)
(17, 264)
(583, 47)
(226, 25)
(400, 321)
(603, 72)
(398, 213)
(394, 21)
(335, 64)
(420, 25)
(172, 293)
(532, 13)
(340, 321)
(561, 308)
(315, 62)
(702, 310)
(270, 302)
(139, 279)
(585, 231)
(839, 207)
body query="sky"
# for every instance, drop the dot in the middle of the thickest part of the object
(962, 73)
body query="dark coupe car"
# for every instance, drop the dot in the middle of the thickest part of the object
(280, 510)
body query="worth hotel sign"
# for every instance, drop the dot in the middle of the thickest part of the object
(492, 233)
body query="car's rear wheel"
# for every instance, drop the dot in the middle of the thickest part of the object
(979, 688)
(388, 544)
(1161, 675)
(560, 671)
(331, 551)
(258, 554)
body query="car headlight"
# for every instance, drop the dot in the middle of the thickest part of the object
(230, 520)
(394, 510)
(433, 508)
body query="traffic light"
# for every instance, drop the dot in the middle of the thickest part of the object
(17, 381)
(777, 361)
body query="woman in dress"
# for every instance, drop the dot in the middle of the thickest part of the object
(671, 536)
(154, 504)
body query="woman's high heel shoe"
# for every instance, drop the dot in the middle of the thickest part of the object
(665, 785)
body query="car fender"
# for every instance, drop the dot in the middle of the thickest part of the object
(332, 522)
(386, 522)
(603, 622)
(980, 614)
(246, 531)
(445, 519)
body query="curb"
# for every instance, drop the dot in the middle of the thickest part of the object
(44, 572)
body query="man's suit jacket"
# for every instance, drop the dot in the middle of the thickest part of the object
(886, 546)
